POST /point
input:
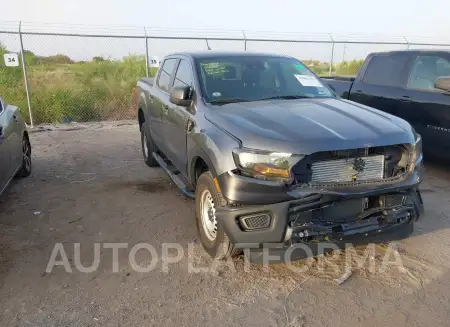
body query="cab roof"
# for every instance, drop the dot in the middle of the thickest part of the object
(218, 54)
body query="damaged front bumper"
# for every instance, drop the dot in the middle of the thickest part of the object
(262, 215)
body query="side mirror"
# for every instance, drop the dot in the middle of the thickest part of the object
(180, 95)
(443, 83)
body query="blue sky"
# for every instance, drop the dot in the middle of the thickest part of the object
(421, 21)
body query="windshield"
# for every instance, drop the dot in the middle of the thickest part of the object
(255, 78)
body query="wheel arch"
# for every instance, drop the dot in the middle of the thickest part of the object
(199, 164)
(27, 137)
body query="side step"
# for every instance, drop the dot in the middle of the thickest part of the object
(173, 177)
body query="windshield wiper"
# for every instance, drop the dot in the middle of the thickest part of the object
(287, 97)
(225, 101)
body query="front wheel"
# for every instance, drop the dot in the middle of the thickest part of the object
(26, 158)
(212, 235)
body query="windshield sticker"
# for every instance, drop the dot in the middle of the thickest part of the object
(307, 80)
(214, 68)
(216, 94)
(300, 67)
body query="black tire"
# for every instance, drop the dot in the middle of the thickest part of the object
(148, 147)
(25, 170)
(220, 246)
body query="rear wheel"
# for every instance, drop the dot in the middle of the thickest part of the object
(26, 158)
(211, 232)
(148, 147)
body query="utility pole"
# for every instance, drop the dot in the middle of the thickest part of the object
(343, 54)
(25, 75)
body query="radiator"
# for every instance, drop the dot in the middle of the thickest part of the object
(348, 170)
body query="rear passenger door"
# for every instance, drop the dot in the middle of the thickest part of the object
(380, 86)
(160, 103)
(178, 118)
(428, 108)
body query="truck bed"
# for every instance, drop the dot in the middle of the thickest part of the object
(147, 80)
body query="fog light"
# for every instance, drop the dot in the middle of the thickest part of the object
(255, 221)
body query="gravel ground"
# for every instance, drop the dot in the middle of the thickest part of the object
(90, 186)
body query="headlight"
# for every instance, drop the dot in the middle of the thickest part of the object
(416, 151)
(265, 165)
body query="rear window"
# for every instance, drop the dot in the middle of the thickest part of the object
(385, 70)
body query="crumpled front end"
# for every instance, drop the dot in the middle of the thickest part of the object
(336, 196)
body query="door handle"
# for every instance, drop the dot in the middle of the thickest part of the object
(405, 98)
(190, 125)
(358, 91)
(165, 109)
(15, 119)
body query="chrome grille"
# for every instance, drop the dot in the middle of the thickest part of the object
(343, 170)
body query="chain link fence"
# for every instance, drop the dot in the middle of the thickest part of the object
(82, 76)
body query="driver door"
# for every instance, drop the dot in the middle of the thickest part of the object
(428, 108)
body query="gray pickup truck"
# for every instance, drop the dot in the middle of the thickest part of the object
(274, 159)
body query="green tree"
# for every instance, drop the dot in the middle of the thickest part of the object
(98, 59)
(349, 67)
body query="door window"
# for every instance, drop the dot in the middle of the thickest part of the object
(385, 70)
(426, 70)
(166, 74)
(183, 76)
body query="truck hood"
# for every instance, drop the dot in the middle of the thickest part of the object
(306, 126)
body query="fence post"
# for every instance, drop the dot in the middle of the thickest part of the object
(245, 40)
(332, 55)
(407, 42)
(146, 52)
(25, 76)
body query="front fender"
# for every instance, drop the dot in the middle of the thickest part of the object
(215, 147)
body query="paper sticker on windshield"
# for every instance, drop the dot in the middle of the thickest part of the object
(300, 67)
(217, 94)
(307, 80)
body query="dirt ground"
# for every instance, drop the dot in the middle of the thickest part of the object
(91, 186)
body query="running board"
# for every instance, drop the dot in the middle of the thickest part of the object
(183, 188)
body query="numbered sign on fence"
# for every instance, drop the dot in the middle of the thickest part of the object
(154, 61)
(11, 59)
